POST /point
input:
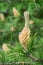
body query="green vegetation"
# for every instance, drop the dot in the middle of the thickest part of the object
(35, 45)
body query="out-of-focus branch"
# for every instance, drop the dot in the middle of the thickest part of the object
(15, 63)
(2, 0)
(34, 59)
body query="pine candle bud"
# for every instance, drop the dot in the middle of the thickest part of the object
(5, 48)
(24, 36)
(12, 29)
(15, 12)
(2, 17)
(31, 22)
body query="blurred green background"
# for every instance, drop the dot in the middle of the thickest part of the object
(35, 9)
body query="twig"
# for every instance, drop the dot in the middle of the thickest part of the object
(34, 59)
(2, 0)
(15, 63)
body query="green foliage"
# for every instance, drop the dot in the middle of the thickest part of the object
(35, 44)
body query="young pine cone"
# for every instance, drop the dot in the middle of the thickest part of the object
(5, 48)
(24, 36)
(15, 12)
(2, 17)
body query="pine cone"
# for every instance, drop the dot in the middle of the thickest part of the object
(5, 48)
(2, 17)
(24, 36)
(15, 12)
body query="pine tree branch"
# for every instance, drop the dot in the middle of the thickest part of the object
(17, 63)
(34, 59)
(2, 0)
